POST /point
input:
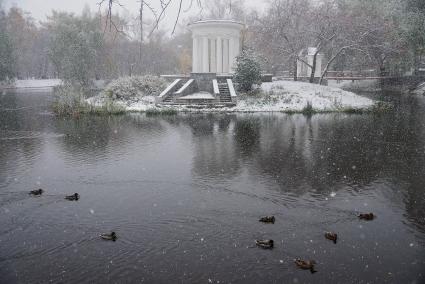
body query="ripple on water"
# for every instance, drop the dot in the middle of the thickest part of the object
(184, 197)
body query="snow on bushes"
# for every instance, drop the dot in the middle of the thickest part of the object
(248, 71)
(131, 88)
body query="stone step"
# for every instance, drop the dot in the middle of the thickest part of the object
(225, 98)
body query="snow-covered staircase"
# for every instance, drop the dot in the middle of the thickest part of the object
(196, 91)
(224, 92)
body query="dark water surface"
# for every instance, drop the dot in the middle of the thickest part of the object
(184, 194)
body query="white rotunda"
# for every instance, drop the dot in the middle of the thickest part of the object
(216, 44)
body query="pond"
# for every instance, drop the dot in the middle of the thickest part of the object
(184, 194)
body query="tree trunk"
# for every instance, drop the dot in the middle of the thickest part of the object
(295, 69)
(325, 71)
(313, 68)
(141, 29)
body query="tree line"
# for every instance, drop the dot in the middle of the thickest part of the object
(80, 48)
(384, 35)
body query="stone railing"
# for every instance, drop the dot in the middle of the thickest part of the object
(215, 87)
(167, 91)
(232, 91)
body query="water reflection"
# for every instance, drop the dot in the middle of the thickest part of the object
(21, 132)
(247, 135)
(184, 193)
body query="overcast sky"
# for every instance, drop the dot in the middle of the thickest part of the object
(39, 8)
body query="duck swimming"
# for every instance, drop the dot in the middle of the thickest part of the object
(267, 219)
(306, 264)
(109, 237)
(331, 236)
(73, 197)
(37, 192)
(266, 244)
(366, 216)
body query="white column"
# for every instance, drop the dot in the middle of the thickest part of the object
(213, 56)
(195, 56)
(237, 47)
(226, 56)
(236, 51)
(231, 54)
(219, 56)
(205, 59)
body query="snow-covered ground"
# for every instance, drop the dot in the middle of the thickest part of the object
(278, 96)
(34, 84)
(294, 96)
(43, 84)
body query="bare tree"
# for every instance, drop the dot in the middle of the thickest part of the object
(280, 34)
(158, 15)
(365, 29)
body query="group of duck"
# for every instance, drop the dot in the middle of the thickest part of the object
(300, 263)
(265, 244)
(75, 197)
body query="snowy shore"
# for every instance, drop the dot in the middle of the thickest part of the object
(279, 96)
(31, 84)
(294, 96)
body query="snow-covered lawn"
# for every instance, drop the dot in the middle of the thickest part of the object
(278, 96)
(294, 96)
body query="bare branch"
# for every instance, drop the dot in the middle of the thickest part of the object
(164, 7)
(178, 16)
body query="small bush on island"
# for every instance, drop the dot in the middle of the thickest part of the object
(167, 111)
(377, 108)
(108, 107)
(382, 107)
(351, 110)
(248, 71)
(131, 88)
(70, 101)
(308, 109)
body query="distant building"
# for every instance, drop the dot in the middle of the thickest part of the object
(303, 69)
